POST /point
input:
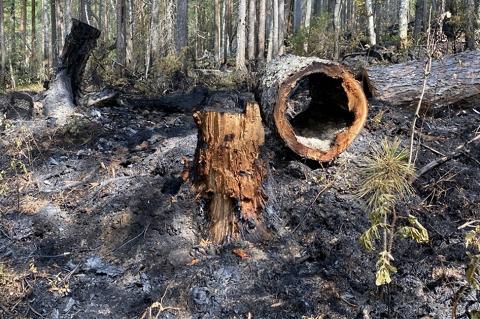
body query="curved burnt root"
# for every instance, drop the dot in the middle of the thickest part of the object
(319, 111)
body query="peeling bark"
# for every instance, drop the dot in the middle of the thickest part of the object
(229, 172)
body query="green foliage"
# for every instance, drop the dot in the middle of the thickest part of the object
(386, 183)
(472, 242)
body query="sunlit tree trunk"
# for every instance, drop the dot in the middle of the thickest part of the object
(33, 42)
(403, 23)
(67, 17)
(372, 37)
(336, 24)
(24, 31)
(228, 30)
(297, 15)
(53, 29)
(252, 13)
(471, 21)
(261, 28)
(241, 35)
(60, 25)
(275, 28)
(3, 51)
(308, 17)
(129, 62)
(218, 29)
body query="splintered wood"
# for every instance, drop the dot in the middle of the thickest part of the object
(229, 172)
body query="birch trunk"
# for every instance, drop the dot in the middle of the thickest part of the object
(372, 37)
(336, 24)
(403, 23)
(251, 29)
(261, 29)
(241, 35)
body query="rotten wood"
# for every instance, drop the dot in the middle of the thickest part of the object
(228, 171)
(322, 125)
(452, 79)
(65, 88)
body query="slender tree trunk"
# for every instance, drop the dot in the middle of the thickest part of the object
(82, 11)
(261, 29)
(59, 25)
(47, 53)
(297, 15)
(403, 23)
(53, 29)
(270, 32)
(275, 29)
(241, 35)
(308, 17)
(129, 62)
(418, 18)
(252, 13)
(24, 31)
(152, 47)
(218, 29)
(121, 36)
(67, 17)
(33, 42)
(372, 37)
(3, 51)
(471, 21)
(336, 24)
(281, 26)
(228, 30)
(181, 30)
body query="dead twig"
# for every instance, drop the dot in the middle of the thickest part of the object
(148, 314)
(132, 239)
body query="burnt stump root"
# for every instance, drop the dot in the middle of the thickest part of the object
(316, 106)
(64, 91)
(452, 79)
(228, 172)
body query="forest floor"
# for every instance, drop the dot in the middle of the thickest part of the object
(99, 224)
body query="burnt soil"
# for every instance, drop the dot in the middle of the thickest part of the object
(100, 224)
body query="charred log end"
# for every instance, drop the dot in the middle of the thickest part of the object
(229, 172)
(330, 116)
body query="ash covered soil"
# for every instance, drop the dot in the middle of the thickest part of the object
(100, 224)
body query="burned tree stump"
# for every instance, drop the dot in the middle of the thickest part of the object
(453, 79)
(315, 105)
(65, 88)
(229, 172)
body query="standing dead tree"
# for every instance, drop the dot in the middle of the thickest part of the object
(65, 88)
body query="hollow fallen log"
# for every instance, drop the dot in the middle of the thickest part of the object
(315, 105)
(228, 172)
(65, 88)
(453, 79)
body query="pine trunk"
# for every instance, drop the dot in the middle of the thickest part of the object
(241, 35)
(372, 37)
(261, 29)
(3, 51)
(403, 23)
(252, 13)
(218, 30)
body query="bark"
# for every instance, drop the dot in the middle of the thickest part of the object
(47, 52)
(121, 37)
(228, 172)
(403, 23)
(24, 30)
(241, 36)
(372, 37)
(227, 30)
(3, 51)
(470, 28)
(252, 13)
(33, 43)
(68, 14)
(275, 29)
(65, 88)
(53, 29)
(218, 30)
(316, 106)
(336, 24)
(297, 15)
(181, 35)
(418, 18)
(281, 26)
(261, 29)
(452, 80)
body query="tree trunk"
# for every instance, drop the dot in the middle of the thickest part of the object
(252, 13)
(275, 29)
(24, 32)
(281, 26)
(3, 51)
(218, 30)
(336, 24)
(297, 15)
(33, 42)
(65, 88)
(228, 172)
(241, 36)
(181, 37)
(470, 28)
(262, 12)
(47, 51)
(53, 29)
(129, 29)
(121, 37)
(227, 30)
(418, 18)
(403, 23)
(453, 79)
(372, 37)
(315, 105)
